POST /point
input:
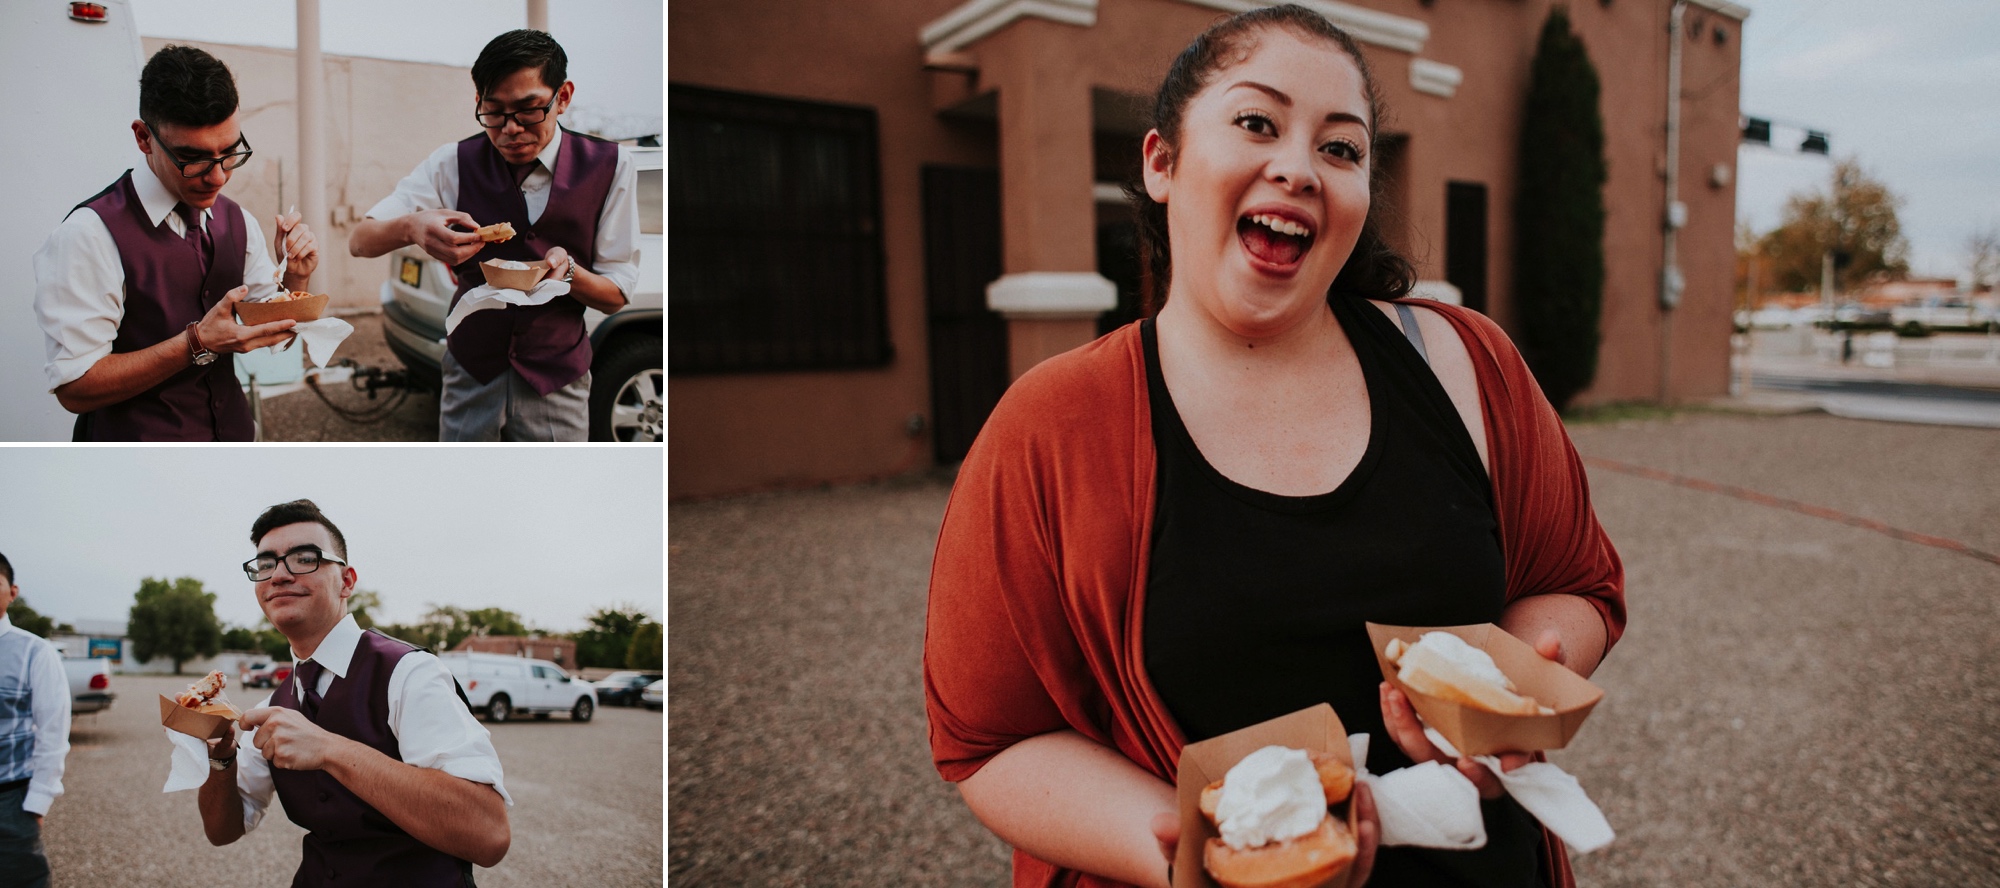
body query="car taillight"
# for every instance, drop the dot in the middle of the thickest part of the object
(100, 681)
(94, 13)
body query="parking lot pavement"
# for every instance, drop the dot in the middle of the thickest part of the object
(587, 806)
(1797, 700)
(300, 415)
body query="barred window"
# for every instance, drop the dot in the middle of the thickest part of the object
(775, 240)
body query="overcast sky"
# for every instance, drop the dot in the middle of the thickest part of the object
(550, 533)
(1911, 90)
(616, 48)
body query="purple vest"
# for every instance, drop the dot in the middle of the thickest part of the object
(164, 292)
(544, 343)
(348, 842)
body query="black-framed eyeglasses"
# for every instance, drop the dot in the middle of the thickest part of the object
(298, 561)
(525, 117)
(195, 169)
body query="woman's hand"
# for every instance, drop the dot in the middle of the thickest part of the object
(1400, 718)
(1367, 835)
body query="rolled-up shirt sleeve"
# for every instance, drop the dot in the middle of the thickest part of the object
(435, 730)
(79, 296)
(618, 228)
(49, 709)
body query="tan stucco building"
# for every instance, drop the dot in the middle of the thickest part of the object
(883, 210)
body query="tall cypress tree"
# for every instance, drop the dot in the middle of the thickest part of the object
(1559, 216)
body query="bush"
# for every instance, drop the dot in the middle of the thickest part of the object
(1559, 216)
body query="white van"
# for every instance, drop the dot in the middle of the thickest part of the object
(502, 686)
(77, 69)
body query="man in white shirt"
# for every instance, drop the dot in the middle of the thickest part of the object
(368, 744)
(519, 372)
(136, 289)
(34, 738)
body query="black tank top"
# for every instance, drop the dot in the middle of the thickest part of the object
(1255, 601)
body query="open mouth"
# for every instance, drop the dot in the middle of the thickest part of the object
(1274, 239)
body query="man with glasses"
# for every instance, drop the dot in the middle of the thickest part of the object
(369, 744)
(136, 289)
(522, 372)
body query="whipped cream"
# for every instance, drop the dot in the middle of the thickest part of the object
(1272, 795)
(510, 265)
(1449, 647)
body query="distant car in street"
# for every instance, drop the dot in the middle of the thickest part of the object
(622, 688)
(654, 696)
(502, 686)
(268, 675)
(627, 383)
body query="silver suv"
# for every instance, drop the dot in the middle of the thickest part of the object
(627, 385)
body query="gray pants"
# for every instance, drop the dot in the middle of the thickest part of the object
(509, 409)
(22, 863)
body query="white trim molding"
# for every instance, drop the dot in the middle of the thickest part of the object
(1052, 294)
(1436, 78)
(1733, 10)
(975, 19)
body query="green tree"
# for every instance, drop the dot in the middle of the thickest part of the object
(648, 649)
(359, 604)
(1559, 215)
(1856, 221)
(174, 620)
(30, 621)
(241, 638)
(609, 637)
(444, 626)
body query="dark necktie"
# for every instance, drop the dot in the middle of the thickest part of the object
(522, 171)
(197, 236)
(308, 675)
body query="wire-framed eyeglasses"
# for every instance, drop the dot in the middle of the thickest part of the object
(525, 117)
(195, 169)
(298, 561)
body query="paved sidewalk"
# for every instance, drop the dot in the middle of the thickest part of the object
(1798, 700)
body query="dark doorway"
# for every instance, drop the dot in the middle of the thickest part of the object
(1465, 241)
(968, 341)
(1118, 261)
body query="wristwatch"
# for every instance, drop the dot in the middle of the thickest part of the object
(221, 764)
(197, 352)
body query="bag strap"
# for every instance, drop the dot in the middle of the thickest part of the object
(1410, 330)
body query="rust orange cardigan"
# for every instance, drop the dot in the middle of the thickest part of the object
(1038, 584)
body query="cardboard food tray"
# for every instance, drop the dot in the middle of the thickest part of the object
(194, 724)
(510, 279)
(1478, 732)
(299, 308)
(1314, 728)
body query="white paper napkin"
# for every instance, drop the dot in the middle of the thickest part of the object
(1552, 795)
(321, 337)
(189, 762)
(487, 296)
(1430, 805)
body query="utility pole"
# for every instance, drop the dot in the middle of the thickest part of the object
(1671, 281)
(538, 15)
(312, 116)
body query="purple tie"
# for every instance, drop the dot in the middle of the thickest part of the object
(308, 675)
(197, 236)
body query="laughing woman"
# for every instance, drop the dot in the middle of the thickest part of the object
(1180, 529)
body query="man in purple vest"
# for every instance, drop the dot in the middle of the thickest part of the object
(369, 743)
(520, 372)
(136, 289)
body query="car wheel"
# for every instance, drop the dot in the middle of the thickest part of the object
(499, 709)
(583, 710)
(627, 392)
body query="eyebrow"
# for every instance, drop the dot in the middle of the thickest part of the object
(1279, 96)
(529, 102)
(304, 548)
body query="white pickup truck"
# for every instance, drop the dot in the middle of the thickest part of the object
(89, 684)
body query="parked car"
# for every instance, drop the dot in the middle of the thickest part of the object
(267, 675)
(501, 686)
(627, 384)
(654, 696)
(622, 688)
(89, 685)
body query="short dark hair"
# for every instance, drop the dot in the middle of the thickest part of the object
(8, 569)
(296, 512)
(185, 86)
(514, 50)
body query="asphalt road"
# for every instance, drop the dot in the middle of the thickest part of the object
(1797, 700)
(586, 805)
(346, 413)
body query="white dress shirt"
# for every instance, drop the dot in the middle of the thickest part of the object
(432, 726)
(48, 707)
(433, 185)
(80, 284)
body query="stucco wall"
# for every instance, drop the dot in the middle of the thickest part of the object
(382, 118)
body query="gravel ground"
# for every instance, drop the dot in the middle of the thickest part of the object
(586, 801)
(302, 416)
(1795, 702)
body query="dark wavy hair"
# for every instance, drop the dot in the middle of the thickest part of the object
(301, 511)
(183, 85)
(1374, 270)
(517, 49)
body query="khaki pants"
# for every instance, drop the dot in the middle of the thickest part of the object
(509, 409)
